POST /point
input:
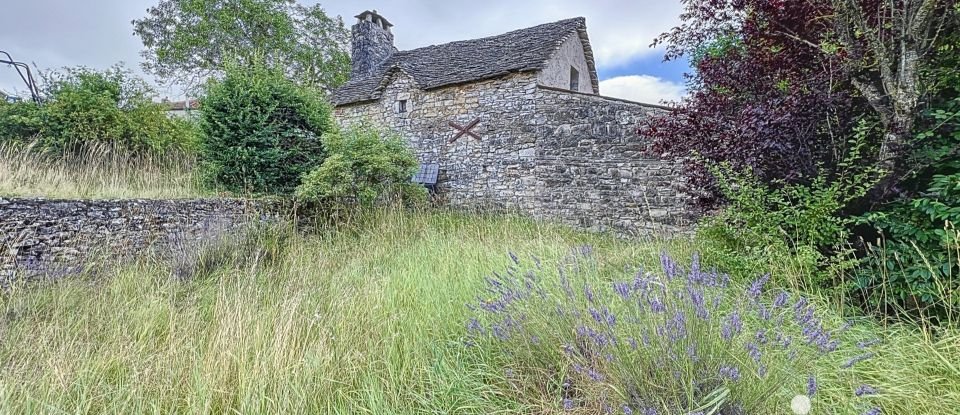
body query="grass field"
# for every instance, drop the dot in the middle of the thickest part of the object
(97, 171)
(371, 317)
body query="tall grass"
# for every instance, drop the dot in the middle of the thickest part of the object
(95, 171)
(365, 318)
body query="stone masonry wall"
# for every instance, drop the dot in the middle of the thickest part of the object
(592, 170)
(51, 237)
(550, 153)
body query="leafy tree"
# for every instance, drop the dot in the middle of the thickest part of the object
(83, 106)
(779, 84)
(261, 130)
(364, 167)
(759, 99)
(188, 41)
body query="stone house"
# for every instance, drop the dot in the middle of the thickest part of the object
(515, 121)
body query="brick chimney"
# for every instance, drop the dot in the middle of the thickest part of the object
(372, 43)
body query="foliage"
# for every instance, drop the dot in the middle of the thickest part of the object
(760, 98)
(262, 132)
(917, 267)
(913, 268)
(188, 41)
(779, 84)
(369, 318)
(83, 106)
(364, 166)
(802, 222)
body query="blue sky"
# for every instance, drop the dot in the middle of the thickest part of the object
(648, 65)
(98, 34)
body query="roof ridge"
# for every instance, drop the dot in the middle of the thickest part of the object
(580, 19)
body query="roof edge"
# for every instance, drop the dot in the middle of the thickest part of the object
(643, 104)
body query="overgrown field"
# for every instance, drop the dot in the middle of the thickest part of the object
(406, 313)
(96, 171)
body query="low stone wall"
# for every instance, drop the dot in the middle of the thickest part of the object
(57, 237)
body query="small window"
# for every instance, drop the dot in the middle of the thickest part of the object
(574, 79)
(402, 106)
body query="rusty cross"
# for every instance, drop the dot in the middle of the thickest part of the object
(465, 130)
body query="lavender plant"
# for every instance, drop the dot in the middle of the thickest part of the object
(682, 340)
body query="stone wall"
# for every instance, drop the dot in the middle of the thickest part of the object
(551, 153)
(51, 237)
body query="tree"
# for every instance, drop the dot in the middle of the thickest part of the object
(887, 45)
(187, 41)
(760, 99)
(82, 106)
(262, 131)
(779, 84)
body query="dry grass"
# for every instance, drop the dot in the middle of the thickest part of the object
(97, 171)
(368, 318)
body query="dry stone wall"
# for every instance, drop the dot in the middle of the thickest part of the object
(40, 237)
(549, 153)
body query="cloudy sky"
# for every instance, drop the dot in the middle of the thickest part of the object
(98, 33)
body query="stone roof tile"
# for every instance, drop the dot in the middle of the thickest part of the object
(470, 60)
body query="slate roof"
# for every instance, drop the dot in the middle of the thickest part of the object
(471, 60)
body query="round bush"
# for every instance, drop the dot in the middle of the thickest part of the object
(261, 131)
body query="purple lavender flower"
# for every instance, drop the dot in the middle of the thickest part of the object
(514, 258)
(474, 326)
(731, 326)
(669, 267)
(656, 305)
(697, 299)
(622, 289)
(595, 375)
(632, 342)
(764, 312)
(872, 411)
(627, 410)
(762, 371)
(865, 390)
(676, 328)
(856, 359)
(781, 299)
(811, 386)
(753, 351)
(588, 293)
(567, 404)
(756, 288)
(730, 372)
(650, 411)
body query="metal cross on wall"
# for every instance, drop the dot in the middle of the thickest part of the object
(465, 130)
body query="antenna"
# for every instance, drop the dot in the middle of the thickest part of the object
(24, 71)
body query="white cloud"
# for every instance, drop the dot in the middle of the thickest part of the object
(620, 30)
(98, 33)
(642, 88)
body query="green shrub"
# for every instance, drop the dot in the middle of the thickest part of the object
(803, 223)
(364, 167)
(916, 267)
(261, 131)
(84, 106)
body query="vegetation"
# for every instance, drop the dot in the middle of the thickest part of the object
(261, 131)
(372, 316)
(188, 41)
(96, 171)
(839, 118)
(83, 106)
(364, 167)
